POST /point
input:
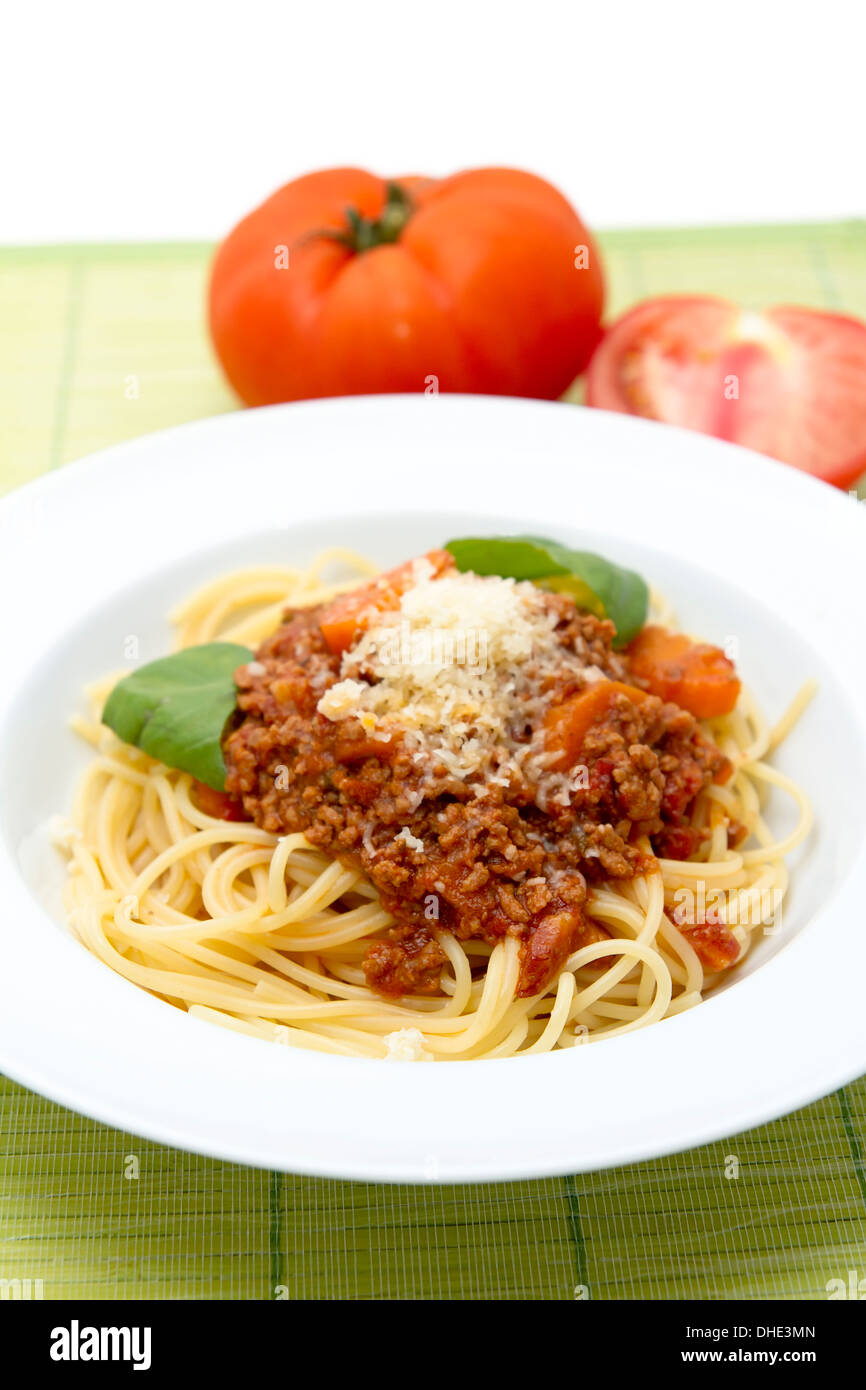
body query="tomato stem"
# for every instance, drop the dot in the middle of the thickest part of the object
(364, 233)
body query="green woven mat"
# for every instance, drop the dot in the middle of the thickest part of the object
(99, 344)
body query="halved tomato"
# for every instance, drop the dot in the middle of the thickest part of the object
(788, 382)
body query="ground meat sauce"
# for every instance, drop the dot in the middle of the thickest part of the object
(513, 860)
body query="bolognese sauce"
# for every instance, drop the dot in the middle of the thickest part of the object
(482, 786)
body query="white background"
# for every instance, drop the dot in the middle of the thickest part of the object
(170, 120)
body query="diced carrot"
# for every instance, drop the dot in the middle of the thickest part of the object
(217, 804)
(567, 725)
(697, 677)
(346, 617)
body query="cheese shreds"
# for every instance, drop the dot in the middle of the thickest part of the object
(342, 700)
(406, 1045)
(458, 670)
(407, 838)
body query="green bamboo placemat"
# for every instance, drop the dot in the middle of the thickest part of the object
(103, 343)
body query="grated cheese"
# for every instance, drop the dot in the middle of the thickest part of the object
(406, 1045)
(409, 839)
(460, 670)
(341, 700)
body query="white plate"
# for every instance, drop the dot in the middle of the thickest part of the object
(746, 548)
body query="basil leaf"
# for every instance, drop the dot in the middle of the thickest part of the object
(175, 709)
(595, 583)
(513, 557)
(623, 592)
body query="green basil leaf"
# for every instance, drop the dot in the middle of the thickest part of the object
(623, 593)
(595, 583)
(513, 557)
(175, 709)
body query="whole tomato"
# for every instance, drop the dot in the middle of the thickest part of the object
(343, 283)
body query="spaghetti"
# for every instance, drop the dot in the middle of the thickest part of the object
(266, 935)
